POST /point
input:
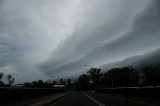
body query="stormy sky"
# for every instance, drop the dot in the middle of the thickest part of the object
(51, 39)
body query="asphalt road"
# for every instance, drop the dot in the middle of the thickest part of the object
(76, 98)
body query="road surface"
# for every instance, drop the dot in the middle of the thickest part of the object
(74, 99)
(95, 99)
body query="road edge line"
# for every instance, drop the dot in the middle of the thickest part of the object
(55, 100)
(94, 100)
(48, 101)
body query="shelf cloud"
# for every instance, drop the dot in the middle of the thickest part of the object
(54, 38)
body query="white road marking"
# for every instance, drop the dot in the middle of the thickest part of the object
(95, 101)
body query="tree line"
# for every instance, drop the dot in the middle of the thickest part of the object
(120, 77)
(116, 77)
(46, 84)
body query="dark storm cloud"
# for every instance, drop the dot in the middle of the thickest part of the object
(130, 32)
(71, 33)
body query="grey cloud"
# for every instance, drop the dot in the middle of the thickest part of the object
(23, 43)
(113, 40)
(72, 33)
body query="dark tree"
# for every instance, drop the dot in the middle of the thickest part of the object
(1, 82)
(54, 82)
(84, 81)
(151, 76)
(40, 83)
(10, 79)
(27, 84)
(95, 75)
(1, 75)
(62, 81)
(34, 84)
(37, 84)
(106, 79)
(69, 81)
(121, 77)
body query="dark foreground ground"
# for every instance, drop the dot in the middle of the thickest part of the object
(101, 97)
(16, 95)
(96, 99)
